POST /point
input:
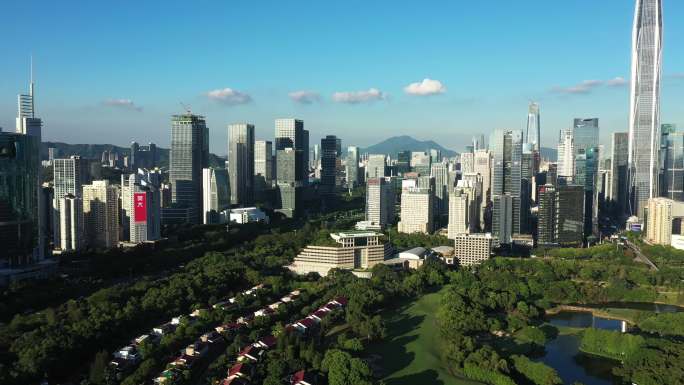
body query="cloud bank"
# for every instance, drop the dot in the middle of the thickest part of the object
(305, 97)
(126, 104)
(357, 97)
(587, 86)
(229, 96)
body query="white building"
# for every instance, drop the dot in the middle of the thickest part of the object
(467, 162)
(71, 223)
(215, 194)
(248, 215)
(459, 213)
(472, 249)
(263, 164)
(662, 213)
(376, 166)
(566, 154)
(101, 214)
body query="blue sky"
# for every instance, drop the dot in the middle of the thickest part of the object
(111, 72)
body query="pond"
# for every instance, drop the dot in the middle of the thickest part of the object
(563, 353)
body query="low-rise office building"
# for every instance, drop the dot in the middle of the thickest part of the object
(347, 250)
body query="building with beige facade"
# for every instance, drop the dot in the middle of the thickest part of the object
(473, 249)
(347, 250)
(664, 219)
(101, 214)
(417, 208)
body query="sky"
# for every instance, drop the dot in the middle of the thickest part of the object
(113, 72)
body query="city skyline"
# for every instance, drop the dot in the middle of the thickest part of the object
(352, 84)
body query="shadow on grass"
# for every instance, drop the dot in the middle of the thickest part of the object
(391, 355)
(425, 377)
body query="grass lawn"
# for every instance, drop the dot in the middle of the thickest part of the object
(411, 352)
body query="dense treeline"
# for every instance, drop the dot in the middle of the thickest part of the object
(494, 314)
(78, 329)
(645, 361)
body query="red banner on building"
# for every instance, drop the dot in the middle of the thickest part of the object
(140, 207)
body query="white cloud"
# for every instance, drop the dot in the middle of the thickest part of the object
(305, 97)
(356, 97)
(122, 103)
(229, 96)
(425, 88)
(617, 82)
(584, 87)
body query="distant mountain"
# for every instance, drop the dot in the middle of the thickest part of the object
(550, 154)
(397, 144)
(94, 151)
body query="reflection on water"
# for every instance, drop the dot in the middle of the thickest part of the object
(563, 355)
(572, 365)
(584, 320)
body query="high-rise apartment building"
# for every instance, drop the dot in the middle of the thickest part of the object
(351, 165)
(460, 208)
(379, 201)
(188, 156)
(215, 194)
(661, 214)
(141, 209)
(68, 179)
(241, 163)
(566, 155)
(644, 117)
(101, 214)
(467, 162)
(482, 164)
(71, 226)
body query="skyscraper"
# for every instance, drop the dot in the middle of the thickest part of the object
(289, 181)
(241, 163)
(351, 165)
(672, 154)
(328, 163)
(585, 134)
(141, 208)
(68, 179)
(506, 147)
(533, 132)
(379, 201)
(19, 215)
(71, 226)
(263, 164)
(619, 191)
(416, 210)
(290, 133)
(101, 214)
(561, 215)
(188, 156)
(644, 118)
(215, 194)
(566, 154)
(440, 172)
(376, 166)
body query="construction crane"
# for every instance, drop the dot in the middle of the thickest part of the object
(186, 108)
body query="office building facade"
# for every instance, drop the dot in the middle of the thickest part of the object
(644, 117)
(188, 156)
(101, 214)
(215, 194)
(241, 163)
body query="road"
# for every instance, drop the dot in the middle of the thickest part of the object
(640, 257)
